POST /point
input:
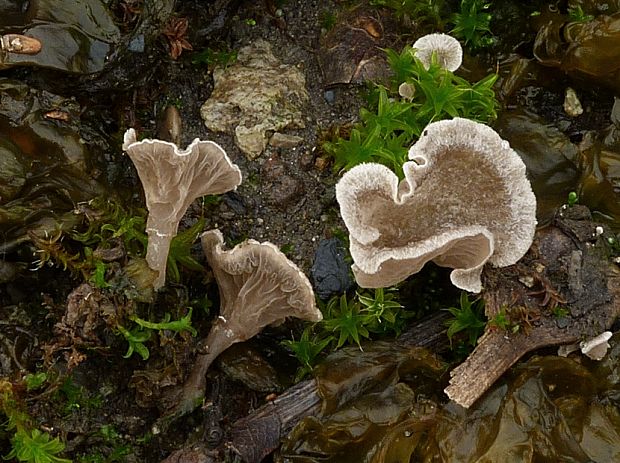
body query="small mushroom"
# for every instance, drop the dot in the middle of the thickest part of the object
(258, 286)
(172, 179)
(465, 200)
(596, 348)
(447, 49)
(406, 90)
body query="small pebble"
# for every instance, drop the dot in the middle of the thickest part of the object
(137, 44)
(572, 105)
(330, 96)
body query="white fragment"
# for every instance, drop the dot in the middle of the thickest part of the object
(406, 90)
(596, 348)
(572, 105)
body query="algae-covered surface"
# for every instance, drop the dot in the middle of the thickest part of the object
(91, 356)
(546, 409)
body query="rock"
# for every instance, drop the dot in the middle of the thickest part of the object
(245, 364)
(281, 140)
(352, 51)
(572, 105)
(306, 160)
(284, 189)
(236, 202)
(255, 95)
(330, 271)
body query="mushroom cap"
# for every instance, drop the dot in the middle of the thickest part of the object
(448, 49)
(258, 285)
(172, 179)
(596, 348)
(465, 200)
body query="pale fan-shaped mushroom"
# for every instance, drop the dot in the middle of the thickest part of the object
(258, 286)
(172, 179)
(447, 49)
(465, 200)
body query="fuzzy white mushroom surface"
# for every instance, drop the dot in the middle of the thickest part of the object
(447, 49)
(465, 200)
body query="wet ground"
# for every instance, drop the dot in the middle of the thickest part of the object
(104, 406)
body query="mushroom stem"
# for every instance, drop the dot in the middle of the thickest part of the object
(220, 338)
(158, 248)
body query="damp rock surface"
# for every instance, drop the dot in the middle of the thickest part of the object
(330, 271)
(256, 95)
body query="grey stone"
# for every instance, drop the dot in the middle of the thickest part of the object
(330, 271)
(282, 140)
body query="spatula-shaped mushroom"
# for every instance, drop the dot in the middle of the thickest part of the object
(258, 286)
(172, 178)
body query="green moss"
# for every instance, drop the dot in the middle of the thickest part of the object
(392, 123)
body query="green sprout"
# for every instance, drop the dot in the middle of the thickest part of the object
(307, 350)
(77, 397)
(178, 326)
(34, 381)
(108, 226)
(351, 320)
(500, 320)
(345, 320)
(28, 444)
(576, 14)
(472, 24)
(572, 199)
(467, 318)
(180, 251)
(327, 20)
(36, 447)
(560, 312)
(136, 339)
(212, 57)
(142, 333)
(383, 312)
(614, 244)
(348, 322)
(391, 123)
